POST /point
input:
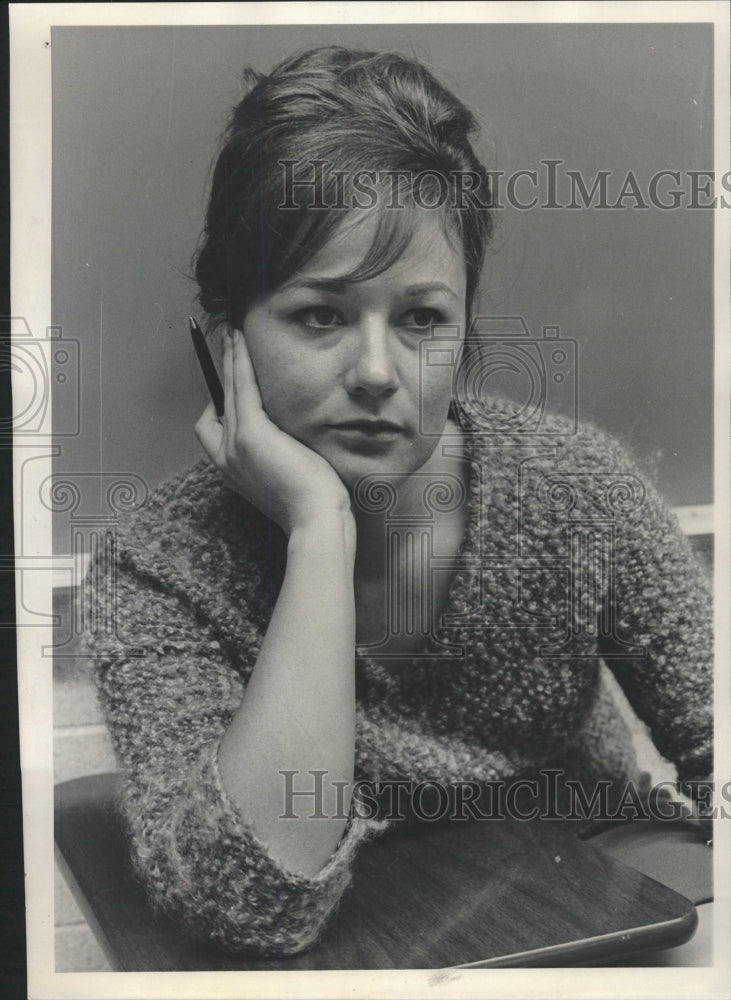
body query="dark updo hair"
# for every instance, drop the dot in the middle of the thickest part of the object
(352, 111)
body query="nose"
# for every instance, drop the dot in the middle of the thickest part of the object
(372, 371)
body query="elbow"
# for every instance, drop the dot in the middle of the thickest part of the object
(251, 922)
(280, 933)
(241, 905)
(210, 874)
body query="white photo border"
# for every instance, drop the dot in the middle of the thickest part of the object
(30, 26)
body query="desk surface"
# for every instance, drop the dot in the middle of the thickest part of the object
(485, 894)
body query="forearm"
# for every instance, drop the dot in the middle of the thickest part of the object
(663, 604)
(298, 710)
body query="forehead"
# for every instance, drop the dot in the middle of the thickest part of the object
(429, 256)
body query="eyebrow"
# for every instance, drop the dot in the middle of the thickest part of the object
(338, 286)
(431, 286)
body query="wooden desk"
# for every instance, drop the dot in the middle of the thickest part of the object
(491, 894)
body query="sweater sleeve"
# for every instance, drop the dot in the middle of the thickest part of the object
(168, 689)
(661, 603)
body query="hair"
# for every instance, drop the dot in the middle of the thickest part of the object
(350, 112)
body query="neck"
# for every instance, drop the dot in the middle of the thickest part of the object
(409, 502)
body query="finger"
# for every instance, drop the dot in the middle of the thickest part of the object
(209, 431)
(249, 404)
(229, 393)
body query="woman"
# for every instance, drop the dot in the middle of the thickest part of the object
(350, 505)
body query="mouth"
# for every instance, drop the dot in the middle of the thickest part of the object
(368, 436)
(370, 428)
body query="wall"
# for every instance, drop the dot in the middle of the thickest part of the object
(137, 112)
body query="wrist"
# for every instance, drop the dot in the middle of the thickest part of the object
(329, 530)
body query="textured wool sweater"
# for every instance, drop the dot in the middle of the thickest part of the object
(568, 555)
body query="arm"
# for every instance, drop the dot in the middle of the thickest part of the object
(298, 711)
(167, 710)
(663, 602)
(204, 798)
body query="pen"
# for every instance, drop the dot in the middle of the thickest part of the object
(209, 369)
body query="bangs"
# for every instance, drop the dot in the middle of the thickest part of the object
(397, 215)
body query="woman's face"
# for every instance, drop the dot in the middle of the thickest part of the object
(338, 363)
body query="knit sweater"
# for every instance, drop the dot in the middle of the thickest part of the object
(568, 554)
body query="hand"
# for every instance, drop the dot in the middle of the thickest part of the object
(700, 791)
(284, 478)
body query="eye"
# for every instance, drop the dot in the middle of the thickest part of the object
(423, 318)
(319, 318)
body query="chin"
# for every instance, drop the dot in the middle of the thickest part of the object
(353, 467)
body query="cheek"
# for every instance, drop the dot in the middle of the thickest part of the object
(435, 391)
(290, 388)
(280, 366)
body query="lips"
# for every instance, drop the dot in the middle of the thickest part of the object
(370, 426)
(368, 436)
